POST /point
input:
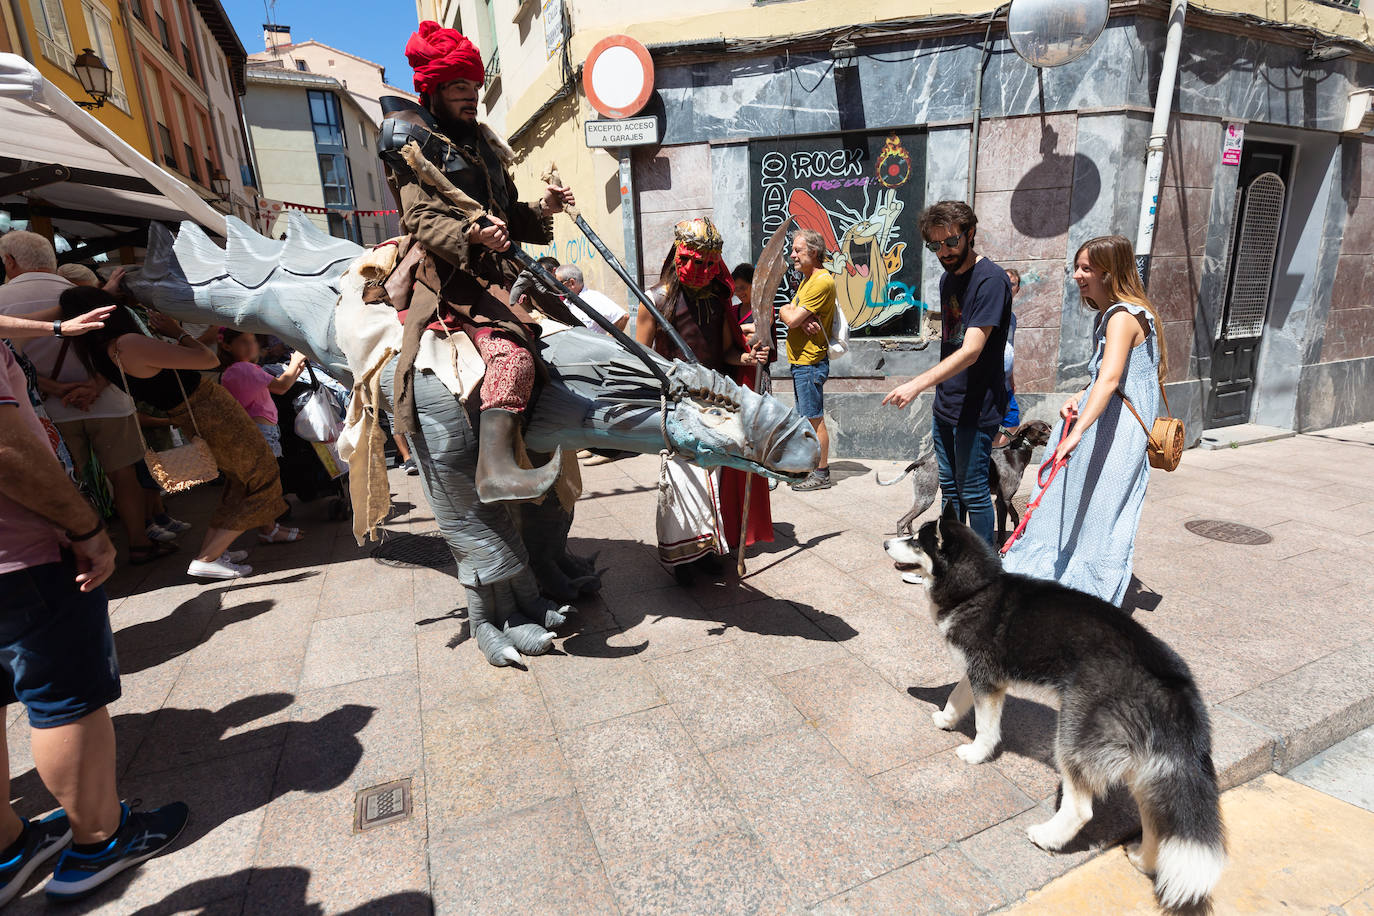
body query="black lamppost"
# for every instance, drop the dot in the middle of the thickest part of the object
(94, 77)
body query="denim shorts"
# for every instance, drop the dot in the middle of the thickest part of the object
(57, 653)
(808, 384)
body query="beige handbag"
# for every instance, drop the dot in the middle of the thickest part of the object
(177, 469)
(1164, 442)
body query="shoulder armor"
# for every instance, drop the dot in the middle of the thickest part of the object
(396, 133)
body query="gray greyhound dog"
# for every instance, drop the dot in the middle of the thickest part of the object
(598, 396)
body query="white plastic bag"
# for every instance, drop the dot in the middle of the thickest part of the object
(318, 419)
(839, 334)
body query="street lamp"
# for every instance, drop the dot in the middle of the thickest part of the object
(94, 77)
(220, 184)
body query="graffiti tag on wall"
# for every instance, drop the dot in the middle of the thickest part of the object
(862, 193)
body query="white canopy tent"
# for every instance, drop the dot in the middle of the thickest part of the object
(40, 126)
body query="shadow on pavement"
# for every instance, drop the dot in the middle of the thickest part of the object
(317, 756)
(192, 623)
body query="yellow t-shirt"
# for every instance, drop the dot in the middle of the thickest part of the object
(817, 296)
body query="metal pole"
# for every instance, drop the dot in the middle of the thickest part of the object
(629, 221)
(1159, 135)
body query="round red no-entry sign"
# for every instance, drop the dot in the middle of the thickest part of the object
(618, 76)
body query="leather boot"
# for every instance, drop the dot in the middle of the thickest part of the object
(499, 476)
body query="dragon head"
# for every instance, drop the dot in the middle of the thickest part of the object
(716, 422)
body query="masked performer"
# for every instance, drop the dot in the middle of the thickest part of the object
(699, 510)
(460, 283)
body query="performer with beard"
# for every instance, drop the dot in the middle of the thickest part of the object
(449, 277)
(699, 511)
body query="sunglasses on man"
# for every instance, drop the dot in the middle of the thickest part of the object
(951, 242)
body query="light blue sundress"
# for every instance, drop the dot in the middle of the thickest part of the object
(1083, 532)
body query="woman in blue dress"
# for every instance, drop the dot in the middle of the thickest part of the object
(1083, 533)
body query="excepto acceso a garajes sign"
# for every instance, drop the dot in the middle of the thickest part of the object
(623, 132)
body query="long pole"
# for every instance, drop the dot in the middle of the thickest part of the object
(1159, 135)
(552, 177)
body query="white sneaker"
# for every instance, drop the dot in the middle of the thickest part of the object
(234, 556)
(175, 525)
(220, 569)
(159, 534)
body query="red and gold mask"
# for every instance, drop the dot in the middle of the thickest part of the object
(697, 253)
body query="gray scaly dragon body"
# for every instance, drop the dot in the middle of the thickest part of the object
(599, 396)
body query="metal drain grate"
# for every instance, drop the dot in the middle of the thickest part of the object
(426, 550)
(380, 805)
(1228, 532)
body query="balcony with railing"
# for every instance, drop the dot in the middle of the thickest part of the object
(493, 68)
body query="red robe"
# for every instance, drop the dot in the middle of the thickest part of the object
(732, 480)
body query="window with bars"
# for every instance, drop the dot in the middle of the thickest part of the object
(164, 139)
(54, 39)
(162, 34)
(209, 170)
(191, 168)
(101, 32)
(189, 60)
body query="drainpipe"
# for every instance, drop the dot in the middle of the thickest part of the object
(977, 110)
(1159, 134)
(136, 64)
(978, 106)
(17, 11)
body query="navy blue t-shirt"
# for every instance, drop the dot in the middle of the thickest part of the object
(977, 298)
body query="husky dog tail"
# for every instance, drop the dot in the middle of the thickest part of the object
(1183, 843)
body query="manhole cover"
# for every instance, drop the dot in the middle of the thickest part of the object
(1229, 532)
(426, 550)
(382, 805)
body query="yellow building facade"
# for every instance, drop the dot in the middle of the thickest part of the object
(52, 33)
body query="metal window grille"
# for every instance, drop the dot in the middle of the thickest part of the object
(1254, 270)
(1352, 5)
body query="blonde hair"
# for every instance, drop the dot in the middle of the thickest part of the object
(1114, 258)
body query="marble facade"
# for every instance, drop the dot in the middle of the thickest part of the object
(1060, 160)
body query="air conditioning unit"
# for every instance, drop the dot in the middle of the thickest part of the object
(1359, 112)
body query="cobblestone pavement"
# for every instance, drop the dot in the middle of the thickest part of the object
(754, 746)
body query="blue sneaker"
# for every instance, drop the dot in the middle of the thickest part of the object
(141, 835)
(43, 840)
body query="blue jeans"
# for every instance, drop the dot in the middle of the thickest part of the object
(963, 453)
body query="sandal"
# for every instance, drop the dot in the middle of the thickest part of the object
(289, 535)
(138, 556)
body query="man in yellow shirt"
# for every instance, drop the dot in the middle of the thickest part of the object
(809, 317)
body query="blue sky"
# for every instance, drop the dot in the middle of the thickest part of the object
(376, 31)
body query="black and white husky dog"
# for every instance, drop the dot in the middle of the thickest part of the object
(1129, 711)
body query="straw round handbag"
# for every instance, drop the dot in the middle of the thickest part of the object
(1165, 440)
(178, 469)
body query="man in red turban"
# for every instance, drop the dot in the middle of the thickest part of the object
(460, 284)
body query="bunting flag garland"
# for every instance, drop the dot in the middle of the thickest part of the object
(269, 210)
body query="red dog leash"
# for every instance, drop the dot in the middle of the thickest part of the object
(1054, 467)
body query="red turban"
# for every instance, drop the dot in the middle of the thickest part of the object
(440, 55)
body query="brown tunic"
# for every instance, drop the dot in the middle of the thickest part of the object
(700, 321)
(454, 280)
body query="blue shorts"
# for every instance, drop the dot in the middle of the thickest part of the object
(1013, 415)
(57, 654)
(808, 384)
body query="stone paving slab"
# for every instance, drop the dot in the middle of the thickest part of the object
(754, 746)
